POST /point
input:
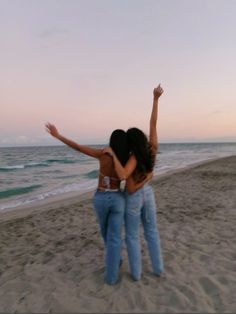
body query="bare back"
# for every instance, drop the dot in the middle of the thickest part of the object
(107, 175)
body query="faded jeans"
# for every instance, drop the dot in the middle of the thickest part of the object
(109, 207)
(141, 207)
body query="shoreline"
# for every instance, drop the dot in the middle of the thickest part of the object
(71, 198)
(52, 260)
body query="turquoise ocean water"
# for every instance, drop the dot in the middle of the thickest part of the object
(32, 174)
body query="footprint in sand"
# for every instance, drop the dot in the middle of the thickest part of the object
(213, 291)
(188, 293)
(168, 257)
(140, 300)
(47, 257)
(175, 300)
(64, 268)
(204, 258)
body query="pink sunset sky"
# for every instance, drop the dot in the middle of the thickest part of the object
(90, 67)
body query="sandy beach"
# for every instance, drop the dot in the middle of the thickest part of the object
(51, 258)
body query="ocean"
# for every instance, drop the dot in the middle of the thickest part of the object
(32, 174)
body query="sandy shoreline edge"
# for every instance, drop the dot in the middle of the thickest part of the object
(52, 259)
(74, 197)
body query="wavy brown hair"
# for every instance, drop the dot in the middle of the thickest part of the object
(142, 150)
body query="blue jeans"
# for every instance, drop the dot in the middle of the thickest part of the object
(110, 207)
(141, 207)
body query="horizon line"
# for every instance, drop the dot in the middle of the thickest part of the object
(164, 142)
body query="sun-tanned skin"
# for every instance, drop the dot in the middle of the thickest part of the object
(105, 160)
(125, 173)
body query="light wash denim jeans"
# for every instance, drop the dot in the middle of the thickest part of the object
(110, 207)
(141, 207)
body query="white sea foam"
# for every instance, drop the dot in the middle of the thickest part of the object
(76, 187)
(25, 165)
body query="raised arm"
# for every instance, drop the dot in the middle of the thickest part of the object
(51, 129)
(153, 139)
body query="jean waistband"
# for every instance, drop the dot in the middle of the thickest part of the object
(108, 190)
(145, 187)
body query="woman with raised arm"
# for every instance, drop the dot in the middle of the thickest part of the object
(140, 202)
(109, 201)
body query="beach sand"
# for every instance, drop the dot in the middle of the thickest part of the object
(51, 259)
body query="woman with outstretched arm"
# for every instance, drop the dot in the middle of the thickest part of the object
(140, 201)
(109, 200)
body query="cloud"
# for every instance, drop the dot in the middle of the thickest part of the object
(53, 33)
(5, 141)
(216, 112)
(23, 140)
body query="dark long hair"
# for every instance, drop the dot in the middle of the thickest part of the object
(120, 146)
(141, 149)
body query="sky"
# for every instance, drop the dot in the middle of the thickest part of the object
(90, 66)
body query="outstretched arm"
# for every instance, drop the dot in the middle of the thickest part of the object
(51, 129)
(153, 139)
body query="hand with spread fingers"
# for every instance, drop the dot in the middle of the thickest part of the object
(51, 129)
